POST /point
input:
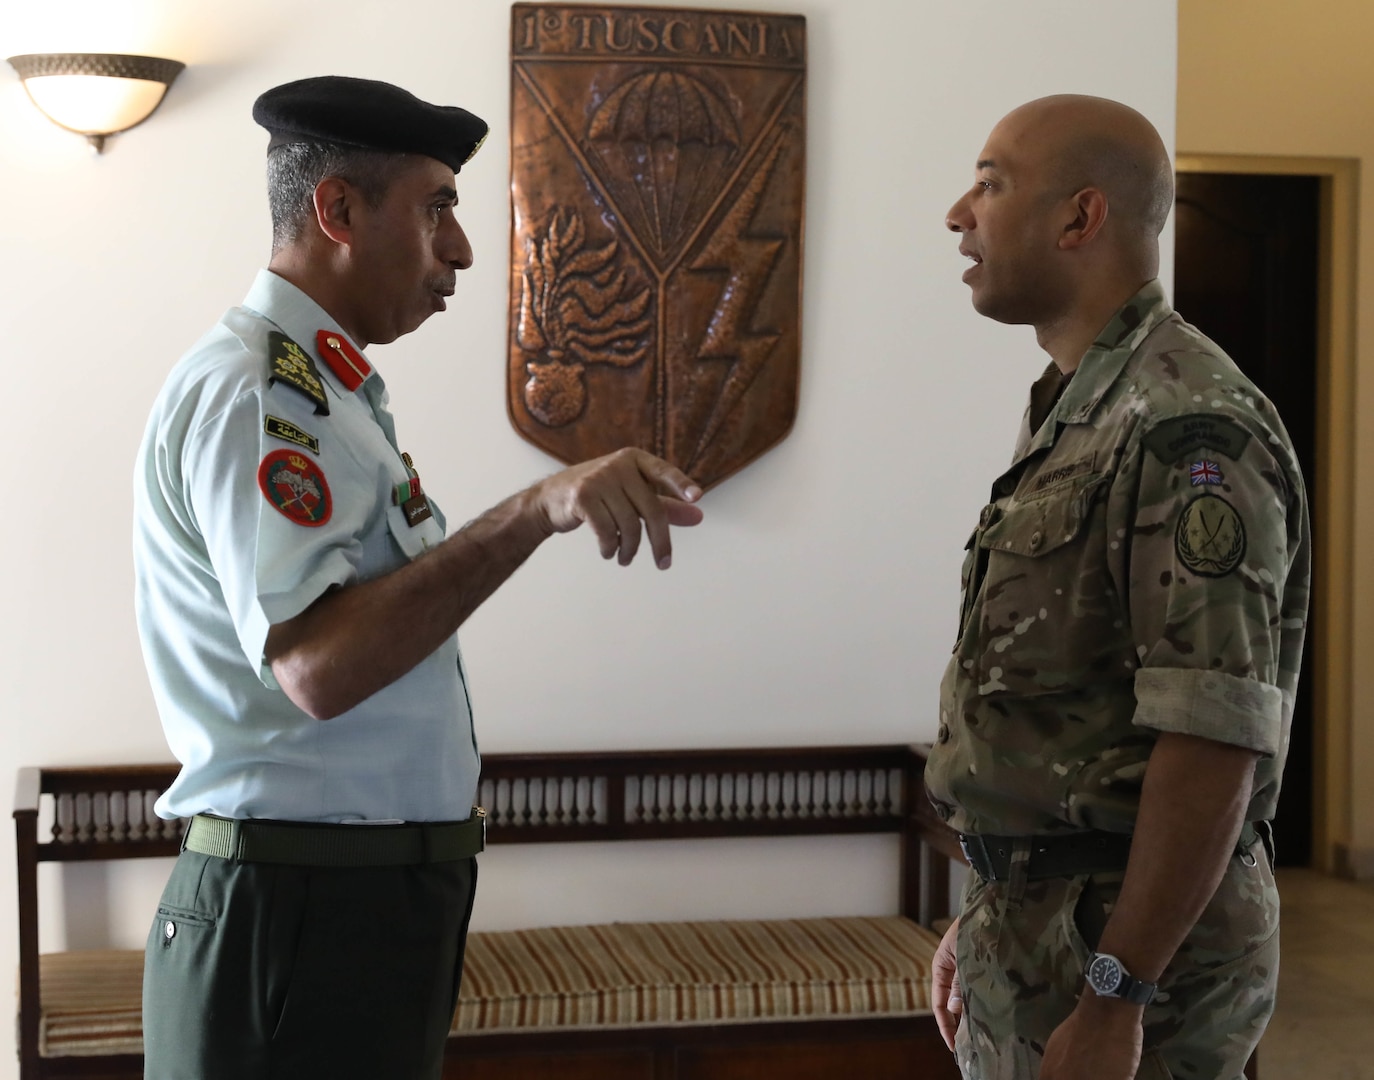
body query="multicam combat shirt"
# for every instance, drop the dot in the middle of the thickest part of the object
(1142, 567)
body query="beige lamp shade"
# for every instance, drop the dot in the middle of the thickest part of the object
(95, 94)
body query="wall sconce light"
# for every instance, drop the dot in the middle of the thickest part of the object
(95, 94)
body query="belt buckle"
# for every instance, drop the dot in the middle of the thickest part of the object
(975, 850)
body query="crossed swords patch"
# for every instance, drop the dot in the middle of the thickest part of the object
(1210, 539)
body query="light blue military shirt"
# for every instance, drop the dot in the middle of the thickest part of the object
(262, 482)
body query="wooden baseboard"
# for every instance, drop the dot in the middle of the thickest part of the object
(872, 1048)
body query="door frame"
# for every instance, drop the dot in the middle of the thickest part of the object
(1329, 635)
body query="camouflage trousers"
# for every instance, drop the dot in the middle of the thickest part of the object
(1022, 947)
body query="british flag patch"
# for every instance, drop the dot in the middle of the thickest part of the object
(1204, 472)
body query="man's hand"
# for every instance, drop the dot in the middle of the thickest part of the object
(946, 998)
(353, 641)
(1101, 1040)
(1192, 806)
(614, 494)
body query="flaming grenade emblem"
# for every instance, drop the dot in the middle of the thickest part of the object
(577, 307)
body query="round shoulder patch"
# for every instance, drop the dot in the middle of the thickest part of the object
(296, 486)
(1210, 539)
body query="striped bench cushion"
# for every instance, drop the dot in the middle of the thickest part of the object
(92, 1003)
(624, 974)
(616, 975)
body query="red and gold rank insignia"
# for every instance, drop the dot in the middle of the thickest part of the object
(296, 486)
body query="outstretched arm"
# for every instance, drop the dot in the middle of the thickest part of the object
(356, 640)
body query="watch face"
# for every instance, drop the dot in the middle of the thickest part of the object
(1104, 973)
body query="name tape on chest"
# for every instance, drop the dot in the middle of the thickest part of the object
(293, 366)
(1050, 480)
(410, 496)
(417, 510)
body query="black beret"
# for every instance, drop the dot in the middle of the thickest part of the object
(368, 114)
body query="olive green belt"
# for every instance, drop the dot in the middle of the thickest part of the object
(308, 844)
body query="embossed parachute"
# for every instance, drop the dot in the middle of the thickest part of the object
(668, 140)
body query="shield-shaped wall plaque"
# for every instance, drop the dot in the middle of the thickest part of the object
(657, 167)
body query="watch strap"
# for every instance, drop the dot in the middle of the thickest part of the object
(1136, 991)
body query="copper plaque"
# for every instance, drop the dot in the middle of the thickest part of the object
(657, 166)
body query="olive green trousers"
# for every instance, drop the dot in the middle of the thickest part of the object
(258, 971)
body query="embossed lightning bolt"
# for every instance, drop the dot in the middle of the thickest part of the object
(749, 261)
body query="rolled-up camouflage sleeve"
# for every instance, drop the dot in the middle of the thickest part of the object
(1211, 540)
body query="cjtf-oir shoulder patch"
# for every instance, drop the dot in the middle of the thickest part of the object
(1210, 539)
(296, 486)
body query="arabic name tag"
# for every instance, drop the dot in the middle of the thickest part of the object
(417, 510)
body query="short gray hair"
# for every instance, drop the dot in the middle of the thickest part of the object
(295, 169)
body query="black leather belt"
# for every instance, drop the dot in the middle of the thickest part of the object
(1067, 854)
(1063, 855)
(305, 844)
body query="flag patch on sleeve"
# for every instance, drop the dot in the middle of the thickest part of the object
(1204, 472)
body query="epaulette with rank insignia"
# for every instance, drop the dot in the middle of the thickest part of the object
(292, 365)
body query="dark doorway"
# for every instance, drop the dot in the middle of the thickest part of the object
(1246, 275)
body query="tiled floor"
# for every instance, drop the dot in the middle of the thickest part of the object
(1323, 1028)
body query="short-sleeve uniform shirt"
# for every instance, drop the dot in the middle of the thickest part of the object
(269, 473)
(1142, 567)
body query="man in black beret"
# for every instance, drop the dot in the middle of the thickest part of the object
(298, 598)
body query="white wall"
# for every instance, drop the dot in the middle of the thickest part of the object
(815, 605)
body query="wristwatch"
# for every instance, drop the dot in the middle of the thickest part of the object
(1108, 978)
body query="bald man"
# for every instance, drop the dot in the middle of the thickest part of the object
(1114, 719)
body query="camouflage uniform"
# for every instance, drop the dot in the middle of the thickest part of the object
(1142, 567)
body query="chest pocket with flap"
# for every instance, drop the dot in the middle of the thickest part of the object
(1038, 526)
(1046, 615)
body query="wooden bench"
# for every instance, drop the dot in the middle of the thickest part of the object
(79, 1011)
